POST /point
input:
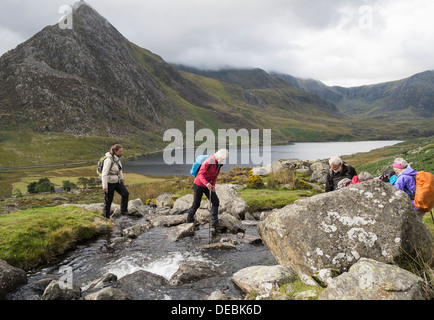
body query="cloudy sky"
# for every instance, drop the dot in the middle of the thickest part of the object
(340, 42)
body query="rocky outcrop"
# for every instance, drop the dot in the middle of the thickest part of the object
(333, 231)
(165, 200)
(10, 278)
(182, 231)
(192, 271)
(372, 280)
(58, 291)
(263, 279)
(143, 283)
(316, 171)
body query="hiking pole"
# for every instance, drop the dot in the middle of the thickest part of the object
(210, 218)
(432, 217)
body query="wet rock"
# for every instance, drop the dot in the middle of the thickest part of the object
(59, 291)
(231, 224)
(135, 231)
(334, 230)
(218, 246)
(166, 221)
(108, 293)
(192, 271)
(372, 280)
(263, 279)
(182, 231)
(249, 239)
(105, 281)
(143, 285)
(165, 200)
(10, 278)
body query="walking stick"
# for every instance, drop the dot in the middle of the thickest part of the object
(210, 218)
(432, 217)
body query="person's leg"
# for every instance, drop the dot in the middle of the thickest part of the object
(108, 199)
(197, 199)
(123, 192)
(215, 203)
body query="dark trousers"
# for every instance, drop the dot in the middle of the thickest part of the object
(108, 198)
(198, 193)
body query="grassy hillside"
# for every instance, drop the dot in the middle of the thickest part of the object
(418, 152)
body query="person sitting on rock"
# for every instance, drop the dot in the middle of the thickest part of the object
(205, 183)
(389, 176)
(361, 177)
(338, 171)
(406, 180)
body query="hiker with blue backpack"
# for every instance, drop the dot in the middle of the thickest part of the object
(205, 170)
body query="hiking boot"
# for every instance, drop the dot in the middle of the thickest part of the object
(218, 228)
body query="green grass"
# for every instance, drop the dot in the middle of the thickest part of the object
(418, 152)
(28, 148)
(32, 237)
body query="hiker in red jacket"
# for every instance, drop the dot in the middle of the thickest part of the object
(205, 183)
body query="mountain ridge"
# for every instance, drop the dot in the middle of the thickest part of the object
(93, 82)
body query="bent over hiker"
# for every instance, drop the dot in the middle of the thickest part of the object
(113, 180)
(205, 183)
(338, 171)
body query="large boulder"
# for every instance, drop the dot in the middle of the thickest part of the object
(333, 231)
(183, 204)
(10, 278)
(165, 200)
(372, 280)
(231, 202)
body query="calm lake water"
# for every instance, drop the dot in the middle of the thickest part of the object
(154, 165)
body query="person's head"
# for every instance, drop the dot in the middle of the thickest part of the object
(336, 164)
(116, 150)
(400, 165)
(221, 155)
(365, 176)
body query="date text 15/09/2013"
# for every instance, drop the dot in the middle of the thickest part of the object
(230, 309)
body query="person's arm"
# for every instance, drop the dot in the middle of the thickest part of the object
(353, 172)
(203, 169)
(105, 173)
(328, 182)
(400, 184)
(121, 173)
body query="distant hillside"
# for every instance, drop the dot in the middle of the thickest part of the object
(413, 96)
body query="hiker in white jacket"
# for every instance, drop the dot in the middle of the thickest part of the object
(113, 180)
